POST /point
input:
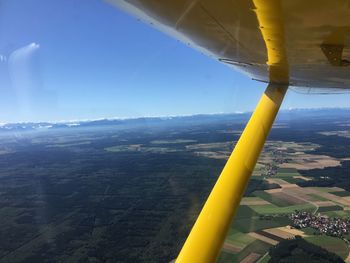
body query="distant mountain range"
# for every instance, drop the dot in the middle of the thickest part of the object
(174, 120)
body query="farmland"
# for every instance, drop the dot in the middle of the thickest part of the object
(131, 191)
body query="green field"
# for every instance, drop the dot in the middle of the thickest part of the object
(247, 225)
(310, 231)
(283, 175)
(287, 170)
(238, 238)
(272, 199)
(316, 197)
(332, 244)
(324, 189)
(330, 208)
(341, 193)
(272, 209)
(291, 179)
(340, 213)
(123, 148)
(245, 211)
(227, 257)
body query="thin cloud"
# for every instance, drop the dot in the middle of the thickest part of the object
(23, 76)
(3, 58)
(22, 54)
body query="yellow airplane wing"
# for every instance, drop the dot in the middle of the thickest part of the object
(316, 34)
(300, 43)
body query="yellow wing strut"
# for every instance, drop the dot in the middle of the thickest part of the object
(208, 234)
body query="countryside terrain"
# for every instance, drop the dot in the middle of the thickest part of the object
(130, 190)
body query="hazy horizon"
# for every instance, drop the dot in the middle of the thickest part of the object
(282, 111)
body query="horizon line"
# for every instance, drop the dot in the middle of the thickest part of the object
(161, 116)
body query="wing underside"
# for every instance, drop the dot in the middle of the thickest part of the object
(316, 33)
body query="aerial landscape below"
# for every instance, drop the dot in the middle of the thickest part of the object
(130, 190)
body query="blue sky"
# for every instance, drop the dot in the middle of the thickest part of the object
(85, 59)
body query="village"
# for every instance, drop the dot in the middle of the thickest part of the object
(336, 227)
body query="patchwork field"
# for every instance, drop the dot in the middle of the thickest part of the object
(263, 217)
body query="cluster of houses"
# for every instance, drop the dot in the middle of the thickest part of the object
(279, 156)
(336, 227)
(271, 168)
